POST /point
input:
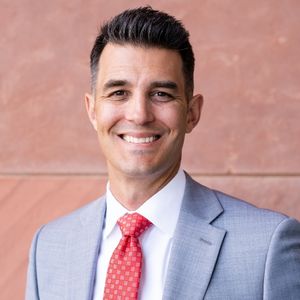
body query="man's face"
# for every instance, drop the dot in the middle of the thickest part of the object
(140, 110)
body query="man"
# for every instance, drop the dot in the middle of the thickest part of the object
(194, 243)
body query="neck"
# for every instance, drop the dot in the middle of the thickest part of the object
(132, 191)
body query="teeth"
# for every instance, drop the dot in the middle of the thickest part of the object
(135, 140)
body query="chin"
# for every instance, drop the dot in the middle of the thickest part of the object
(139, 170)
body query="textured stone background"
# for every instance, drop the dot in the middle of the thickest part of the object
(247, 143)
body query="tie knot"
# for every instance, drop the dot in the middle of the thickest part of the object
(133, 224)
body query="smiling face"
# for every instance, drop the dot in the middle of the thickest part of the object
(140, 111)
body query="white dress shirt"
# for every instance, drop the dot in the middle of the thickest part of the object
(162, 210)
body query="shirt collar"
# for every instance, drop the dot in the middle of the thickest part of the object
(162, 209)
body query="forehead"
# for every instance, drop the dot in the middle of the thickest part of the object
(138, 63)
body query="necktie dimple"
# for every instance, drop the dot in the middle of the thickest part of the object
(124, 270)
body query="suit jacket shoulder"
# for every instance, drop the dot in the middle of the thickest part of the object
(64, 253)
(226, 248)
(78, 217)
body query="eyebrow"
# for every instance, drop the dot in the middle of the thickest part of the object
(164, 84)
(114, 83)
(155, 84)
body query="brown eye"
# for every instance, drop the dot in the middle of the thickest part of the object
(119, 93)
(161, 96)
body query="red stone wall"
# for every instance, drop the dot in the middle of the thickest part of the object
(247, 143)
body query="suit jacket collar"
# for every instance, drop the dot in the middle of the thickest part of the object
(83, 250)
(196, 244)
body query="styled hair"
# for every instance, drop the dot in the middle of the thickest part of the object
(146, 27)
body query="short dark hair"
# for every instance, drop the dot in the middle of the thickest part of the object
(145, 26)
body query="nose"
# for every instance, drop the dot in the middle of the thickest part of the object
(139, 110)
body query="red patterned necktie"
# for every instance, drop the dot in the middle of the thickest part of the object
(124, 270)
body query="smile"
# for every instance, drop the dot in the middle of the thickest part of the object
(140, 140)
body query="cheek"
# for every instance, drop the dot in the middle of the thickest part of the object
(174, 119)
(106, 116)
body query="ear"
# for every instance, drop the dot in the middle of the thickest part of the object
(90, 107)
(194, 112)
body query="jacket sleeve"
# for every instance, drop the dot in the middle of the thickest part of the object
(282, 270)
(32, 290)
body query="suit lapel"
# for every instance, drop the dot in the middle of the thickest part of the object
(196, 244)
(82, 253)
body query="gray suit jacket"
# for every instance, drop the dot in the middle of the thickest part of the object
(223, 248)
